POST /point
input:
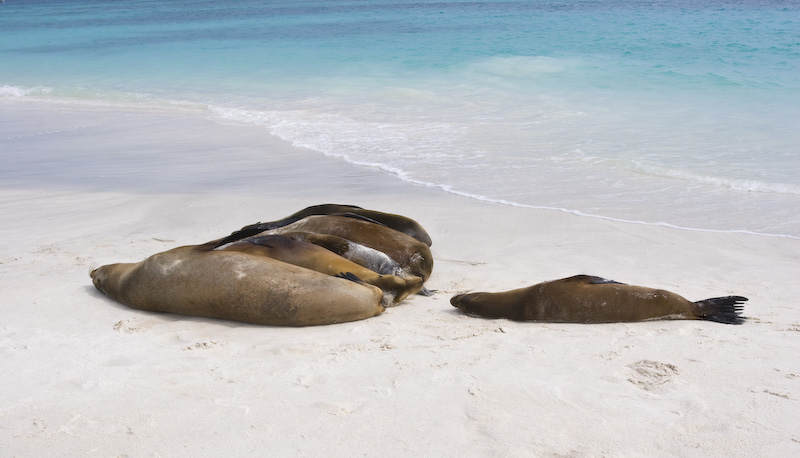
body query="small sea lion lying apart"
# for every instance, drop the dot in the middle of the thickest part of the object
(588, 299)
(236, 285)
(397, 222)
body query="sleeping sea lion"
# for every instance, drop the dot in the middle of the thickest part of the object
(372, 259)
(317, 258)
(413, 257)
(397, 222)
(588, 299)
(197, 280)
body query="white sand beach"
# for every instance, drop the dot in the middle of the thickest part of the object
(85, 376)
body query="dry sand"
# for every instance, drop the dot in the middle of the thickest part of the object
(84, 376)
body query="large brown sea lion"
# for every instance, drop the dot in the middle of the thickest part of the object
(317, 258)
(588, 299)
(234, 285)
(397, 222)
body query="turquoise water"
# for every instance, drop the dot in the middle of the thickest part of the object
(681, 112)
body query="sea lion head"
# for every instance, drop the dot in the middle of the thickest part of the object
(472, 304)
(99, 277)
(490, 305)
(110, 278)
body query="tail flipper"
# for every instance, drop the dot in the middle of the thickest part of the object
(726, 310)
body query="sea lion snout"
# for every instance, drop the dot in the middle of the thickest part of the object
(104, 277)
(96, 276)
(99, 278)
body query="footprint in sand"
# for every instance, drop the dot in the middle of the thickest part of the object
(202, 345)
(649, 375)
(127, 327)
(131, 326)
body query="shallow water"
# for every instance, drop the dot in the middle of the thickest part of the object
(660, 112)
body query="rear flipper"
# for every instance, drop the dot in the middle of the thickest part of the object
(726, 310)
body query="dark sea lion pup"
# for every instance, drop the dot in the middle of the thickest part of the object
(397, 222)
(588, 299)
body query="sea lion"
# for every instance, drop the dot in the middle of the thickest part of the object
(589, 299)
(397, 222)
(370, 258)
(197, 280)
(314, 257)
(413, 257)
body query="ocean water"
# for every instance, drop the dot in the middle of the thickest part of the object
(676, 112)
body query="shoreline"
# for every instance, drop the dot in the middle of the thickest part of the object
(193, 114)
(86, 376)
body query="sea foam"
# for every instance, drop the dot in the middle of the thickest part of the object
(683, 113)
